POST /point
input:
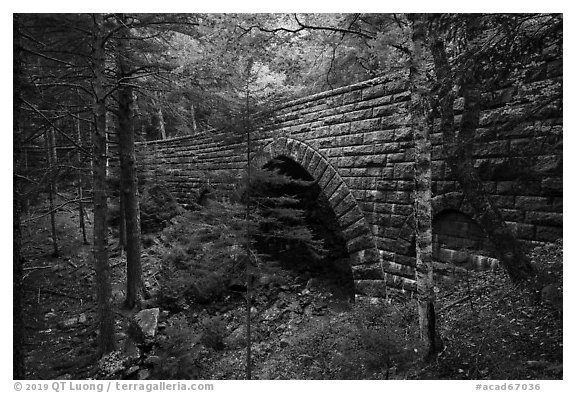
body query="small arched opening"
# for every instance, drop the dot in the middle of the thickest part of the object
(460, 240)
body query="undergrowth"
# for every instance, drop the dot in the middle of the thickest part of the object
(371, 342)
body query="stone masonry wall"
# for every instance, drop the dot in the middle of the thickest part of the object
(357, 142)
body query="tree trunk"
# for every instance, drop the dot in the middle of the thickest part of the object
(53, 158)
(79, 187)
(128, 178)
(247, 128)
(103, 286)
(51, 189)
(18, 367)
(122, 224)
(458, 155)
(421, 125)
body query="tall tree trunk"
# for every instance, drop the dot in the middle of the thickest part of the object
(128, 178)
(103, 286)
(79, 187)
(53, 158)
(122, 224)
(247, 128)
(458, 150)
(421, 125)
(18, 368)
(51, 189)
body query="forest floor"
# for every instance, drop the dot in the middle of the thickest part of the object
(303, 328)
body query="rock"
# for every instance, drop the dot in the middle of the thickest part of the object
(265, 279)
(82, 318)
(271, 314)
(284, 342)
(132, 370)
(237, 338)
(312, 284)
(143, 374)
(131, 350)
(152, 360)
(68, 323)
(295, 307)
(49, 314)
(144, 325)
(552, 296)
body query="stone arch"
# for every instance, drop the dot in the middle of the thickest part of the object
(360, 242)
(441, 204)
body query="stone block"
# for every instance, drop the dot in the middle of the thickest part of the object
(391, 233)
(346, 162)
(347, 203)
(362, 126)
(352, 97)
(404, 170)
(491, 149)
(339, 194)
(403, 247)
(512, 214)
(387, 148)
(396, 220)
(386, 244)
(394, 121)
(360, 243)
(406, 260)
(533, 203)
(328, 174)
(350, 218)
(332, 185)
(368, 161)
(522, 146)
(316, 158)
(398, 197)
(506, 187)
(552, 186)
(373, 92)
(405, 185)
(396, 157)
(390, 110)
(383, 208)
(402, 134)
(372, 271)
(544, 218)
(307, 157)
(548, 234)
(359, 228)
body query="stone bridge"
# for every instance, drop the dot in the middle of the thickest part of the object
(356, 143)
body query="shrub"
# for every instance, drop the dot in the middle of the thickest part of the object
(364, 344)
(213, 333)
(200, 256)
(180, 353)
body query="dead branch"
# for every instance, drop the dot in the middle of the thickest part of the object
(86, 199)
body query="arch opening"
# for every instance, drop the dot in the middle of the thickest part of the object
(331, 269)
(455, 230)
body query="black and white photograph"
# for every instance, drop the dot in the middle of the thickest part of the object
(287, 196)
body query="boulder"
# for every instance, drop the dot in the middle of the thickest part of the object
(144, 325)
